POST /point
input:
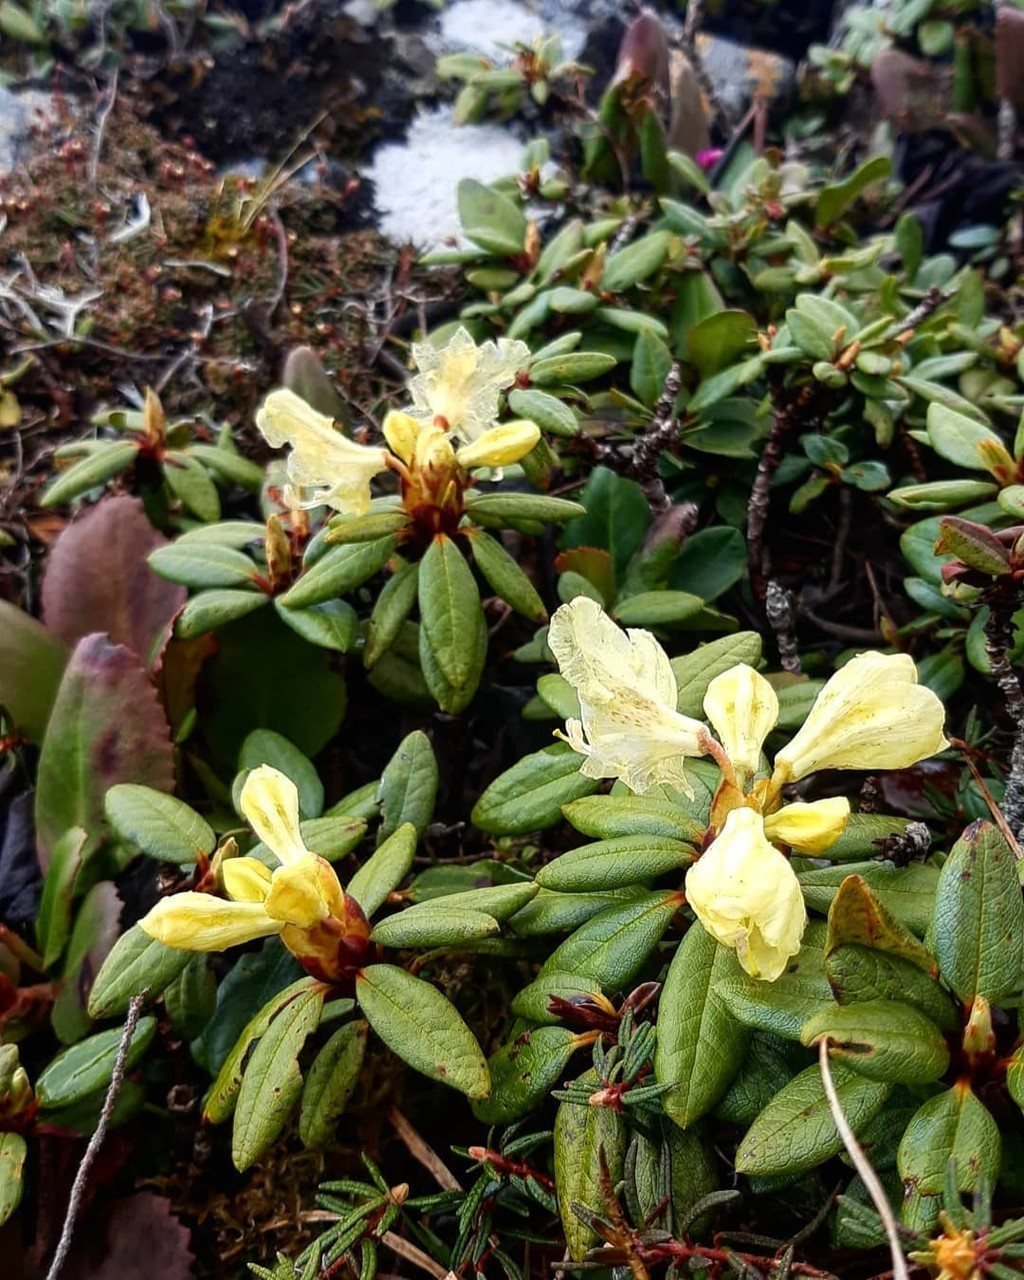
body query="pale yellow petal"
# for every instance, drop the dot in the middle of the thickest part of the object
(245, 879)
(628, 727)
(269, 801)
(743, 709)
(304, 892)
(461, 382)
(872, 714)
(401, 431)
(810, 827)
(500, 446)
(324, 466)
(747, 896)
(199, 922)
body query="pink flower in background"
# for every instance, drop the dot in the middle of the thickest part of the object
(708, 158)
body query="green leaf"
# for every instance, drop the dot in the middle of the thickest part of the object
(424, 1029)
(881, 1039)
(13, 1148)
(93, 470)
(657, 608)
(222, 1096)
(191, 484)
(652, 361)
(551, 912)
(710, 562)
(963, 440)
(392, 607)
(330, 1083)
(700, 1044)
(53, 922)
(796, 1131)
(271, 1079)
(365, 528)
(490, 219)
(605, 817)
(227, 465)
(264, 746)
(617, 517)
(338, 571)
(497, 509)
(583, 1134)
(158, 824)
(548, 412)
(505, 577)
(333, 624)
(719, 340)
(408, 786)
(839, 198)
(866, 835)
(85, 1068)
(636, 262)
(694, 671)
(615, 863)
(428, 925)
(136, 963)
(202, 564)
(534, 1001)
(939, 495)
(449, 621)
(333, 837)
(858, 973)
(783, 1006)
(191, 997)
(31, 665)
(21, 27)
(953, 1125)
(529, 796)
(614, 945)
(385, 870)
(978, 925)
(210, 610)
(524, 1071)
(572, 367)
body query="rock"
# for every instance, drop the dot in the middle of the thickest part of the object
(741, 74)
(18, 112)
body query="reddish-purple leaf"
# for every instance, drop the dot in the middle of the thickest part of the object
(107, 726)
(97, 579)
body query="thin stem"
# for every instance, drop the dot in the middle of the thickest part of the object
(96, 1141)
(861, 1163)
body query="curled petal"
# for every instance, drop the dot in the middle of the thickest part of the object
(245, 879)
(629, 727)
(746, 894)
(500, 446)
(809, 827)
(324, 466)
(401, 431)
(743, 709)
(461, 382)
(872, 714)
(269, 802)
(303, 893)
(199, 922)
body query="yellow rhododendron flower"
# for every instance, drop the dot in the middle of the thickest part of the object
(872, 714)
(302, 899)
(809, 827)
(500, 446)
(324, 466)
(743, 709)
(746, 894)
(461, 383)
(629, 727)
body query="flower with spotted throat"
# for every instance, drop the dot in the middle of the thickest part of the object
(301, 899)
(458, 385)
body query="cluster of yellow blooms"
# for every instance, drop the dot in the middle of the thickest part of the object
(301, 899)
(872, 714)
(455, 397)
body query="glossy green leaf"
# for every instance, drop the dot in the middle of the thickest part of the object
(700, 1044)
(582, 1136)
(31, 665)
(135, 963)
(885, 1040)
(615, 863)
(505, 577)
(330, 1083)
(524, 1071)
(529, 796)
(338, 571)
(86, 1067)
(158, 824)
(93, 470)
